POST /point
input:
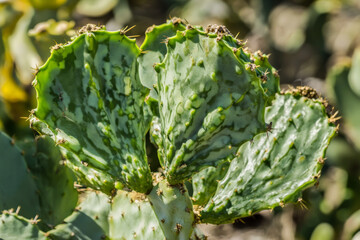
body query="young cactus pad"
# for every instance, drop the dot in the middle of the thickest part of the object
(275, 166)
(210, 102)
(91, 99)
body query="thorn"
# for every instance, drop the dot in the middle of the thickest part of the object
(12, 142)
(35, 69)
(240, 220)
(35, 220)
(321, 160)
(333, 118)
(302, 203)
(134, 36)
(17, 210)
(126, 29)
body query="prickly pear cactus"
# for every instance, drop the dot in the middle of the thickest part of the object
(91, 99)
(213, 110)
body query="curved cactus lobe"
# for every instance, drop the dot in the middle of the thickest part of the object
(153, 51)
(276, 166)
(90, 97)
(258, 62)
(154, 48)
(209, 103)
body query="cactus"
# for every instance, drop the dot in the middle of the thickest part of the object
(13, 226)
(40, 184)
(166, 213)
(204, 183)
(54, 180)
(204, 91)
(109, 108)
(17, 186)
(88, 221)
(344, 87)
(214, 112)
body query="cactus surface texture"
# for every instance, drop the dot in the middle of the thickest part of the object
(275, 166)
(228, 142)
(91, 99)
(13, 226)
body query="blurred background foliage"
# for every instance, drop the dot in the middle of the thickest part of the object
(312, 42)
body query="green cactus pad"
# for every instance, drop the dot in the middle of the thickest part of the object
(275, 166)
(166, 213)
(54, 181)
(345, 96)
(209, 101)
(17, 186)
(89, 221)
(173, 209)
(90, 97)
(133, 218)
(13, 226)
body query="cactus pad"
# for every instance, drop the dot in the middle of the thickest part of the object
(91, 99)
(13, 226)
(54, 181)
(341, 80)
(209, 103)
(17, 187)
(275, 166)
